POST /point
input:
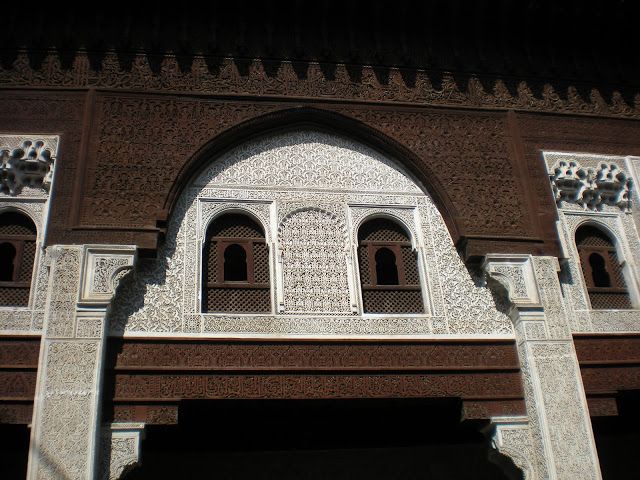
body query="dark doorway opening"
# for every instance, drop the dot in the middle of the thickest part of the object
(618, 439)
(337, 439)
(14, 451)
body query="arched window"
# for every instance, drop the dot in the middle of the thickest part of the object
(235, 263)
(601, 269)
(17, 254)
(388, 269)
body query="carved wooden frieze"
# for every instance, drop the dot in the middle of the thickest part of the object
(418, 86)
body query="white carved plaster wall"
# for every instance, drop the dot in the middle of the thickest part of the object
(562, 444)
(27, 191)
(66, 419)
(295, 183)
(620, 221)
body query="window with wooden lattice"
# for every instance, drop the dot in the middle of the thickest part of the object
(235, 267)
(17, 255)
(601, 269)
(389, 273)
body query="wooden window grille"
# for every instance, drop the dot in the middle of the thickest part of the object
(17, 255)
(235, 263)
(389, 273)
(601, 270)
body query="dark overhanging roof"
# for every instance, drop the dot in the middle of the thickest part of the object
(564, 41)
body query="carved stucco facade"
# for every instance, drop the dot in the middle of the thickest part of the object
(555, 440)
(65, 435)
(617, 218)
(311, 191)
(324, 186)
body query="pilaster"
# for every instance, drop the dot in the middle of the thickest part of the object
(66, 420)
(560, 442)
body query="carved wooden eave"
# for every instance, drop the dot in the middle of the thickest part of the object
(458, 103)
(440, 35)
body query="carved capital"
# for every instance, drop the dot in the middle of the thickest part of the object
(103, 267)
(27, 161)
(515, 273)
(120, 449)
(512, 438)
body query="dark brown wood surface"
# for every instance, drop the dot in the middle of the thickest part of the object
(18, 373)
(147, 379)
(610, 366)
(464, 97)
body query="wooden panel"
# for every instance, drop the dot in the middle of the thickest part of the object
(18, 374)
(285, 356)
(158, 374)
(610, 366)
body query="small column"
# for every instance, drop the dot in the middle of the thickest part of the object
(65, 436)
(560, 442)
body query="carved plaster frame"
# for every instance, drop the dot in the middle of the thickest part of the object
(67, 404)
(409, 218)
(34, 203)
(622, 224)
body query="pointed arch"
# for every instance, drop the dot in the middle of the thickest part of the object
(328, 122)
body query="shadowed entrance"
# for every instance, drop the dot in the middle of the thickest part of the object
(333, 439)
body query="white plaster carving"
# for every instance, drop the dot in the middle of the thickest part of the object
(515, 273)
(89, 326)
(26, 163)
(633, 167)
(162, 296)
(566, 416)
(12, 319)
(314, 263)
(302, 325)
(26, 171)
(614, 185)
(64, 438)
(120, 449)
(102, 269)
(63, 291)
(468, 304)
(561, 437)
(591, 181)
(283, 162)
